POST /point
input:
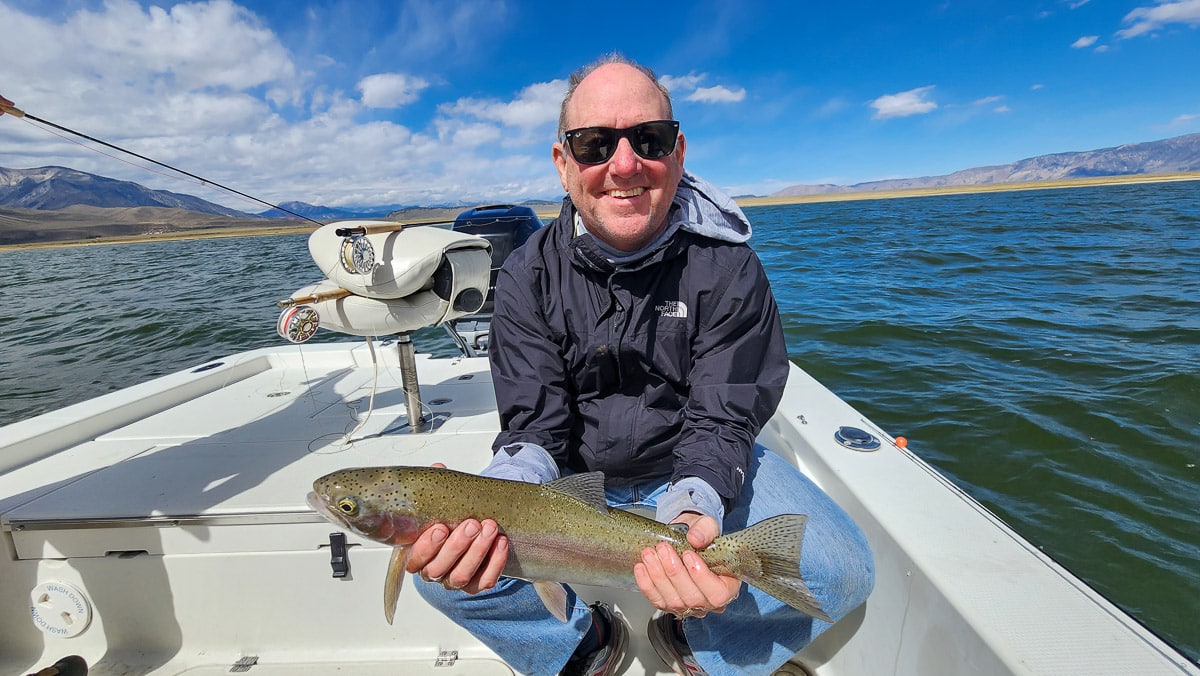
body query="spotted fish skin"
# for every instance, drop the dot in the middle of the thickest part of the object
(560, 532)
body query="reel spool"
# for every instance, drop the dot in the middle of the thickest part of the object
(358, 255)
(298, 323)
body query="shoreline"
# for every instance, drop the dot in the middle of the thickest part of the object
(295, 229)
(1056, 184)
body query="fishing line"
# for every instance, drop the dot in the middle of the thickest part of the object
(152, 170)
(347, 439)
(363, 418)
(17, 112)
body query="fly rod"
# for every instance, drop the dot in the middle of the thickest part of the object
(17, 112)
(332, 294)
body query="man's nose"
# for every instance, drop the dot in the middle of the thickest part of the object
(624, 161)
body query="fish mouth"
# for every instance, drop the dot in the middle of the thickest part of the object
(321, 506)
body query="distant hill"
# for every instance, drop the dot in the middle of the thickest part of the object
(56, 188)
(329, 214)
(1172, 155)
(80, 223)
(52, 188)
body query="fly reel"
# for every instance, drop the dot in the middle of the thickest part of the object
(358, 255)
(298, 323)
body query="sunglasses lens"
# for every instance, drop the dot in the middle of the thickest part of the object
(654, 140)
(650, 140)
(593, 145)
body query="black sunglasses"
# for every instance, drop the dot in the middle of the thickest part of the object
(650, 140)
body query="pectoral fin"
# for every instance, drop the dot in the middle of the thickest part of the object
(554, 597)
(393, 581)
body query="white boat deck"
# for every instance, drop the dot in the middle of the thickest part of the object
(165, 527)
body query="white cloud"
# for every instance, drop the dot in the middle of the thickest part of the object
(904, 104)
(132, 66)
(1085, 42)
(987, 99)
(390, 90)
(535, 105)
(1149, 19)
(205, 86)
(717, 94)
(831, 107)
(212, 44)
(680, 84)
(687, 88)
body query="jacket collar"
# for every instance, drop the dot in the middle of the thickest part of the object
(698, 207)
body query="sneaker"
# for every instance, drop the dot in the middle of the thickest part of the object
(605, 660)
(666, 635)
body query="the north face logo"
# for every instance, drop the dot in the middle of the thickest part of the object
(672, 308)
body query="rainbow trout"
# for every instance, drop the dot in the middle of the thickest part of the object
(559, 533)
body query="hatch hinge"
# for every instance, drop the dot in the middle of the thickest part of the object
(243, 664)
(446, 658)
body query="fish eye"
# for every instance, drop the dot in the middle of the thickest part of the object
(347, 506)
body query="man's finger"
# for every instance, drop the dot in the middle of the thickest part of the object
(680, 577)
(471, 563)
(490, 575)
(660, 582)
(718, 590)
(453, 549)
(426, 547)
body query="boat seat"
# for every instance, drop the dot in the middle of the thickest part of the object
(420, 276)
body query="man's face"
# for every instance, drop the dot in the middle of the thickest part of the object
(625, 200)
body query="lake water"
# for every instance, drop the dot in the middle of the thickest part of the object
(1041, 348)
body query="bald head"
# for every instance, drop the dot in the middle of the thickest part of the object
(612, 59)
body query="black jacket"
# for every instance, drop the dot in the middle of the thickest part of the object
(666, 367)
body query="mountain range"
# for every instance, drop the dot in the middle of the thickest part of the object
(53, 188)
(1180, 154)
(56, 188)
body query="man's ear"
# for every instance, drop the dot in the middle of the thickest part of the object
(560, 162)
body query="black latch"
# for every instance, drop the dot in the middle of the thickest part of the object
(338, 558)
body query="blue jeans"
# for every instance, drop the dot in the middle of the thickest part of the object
(756, 634)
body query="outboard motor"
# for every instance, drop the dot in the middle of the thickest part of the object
(506, 227)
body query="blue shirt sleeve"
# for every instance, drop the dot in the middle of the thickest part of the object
(691, 494)
(522, 461)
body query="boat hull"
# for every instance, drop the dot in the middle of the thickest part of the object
(172, 518)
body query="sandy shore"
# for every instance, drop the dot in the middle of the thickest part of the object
(970, 189)
(293, 228)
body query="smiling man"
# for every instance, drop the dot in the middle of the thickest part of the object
(620, 194)
(637, 335)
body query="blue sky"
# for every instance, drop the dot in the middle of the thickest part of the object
(367, 103)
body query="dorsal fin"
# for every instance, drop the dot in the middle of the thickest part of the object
(586, 486)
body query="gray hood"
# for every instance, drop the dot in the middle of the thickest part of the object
(705, 210)
(699, 207)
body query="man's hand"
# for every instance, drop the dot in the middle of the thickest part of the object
(470, 558)
(685, 586)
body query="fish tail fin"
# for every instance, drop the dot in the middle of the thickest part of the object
(776, 542)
